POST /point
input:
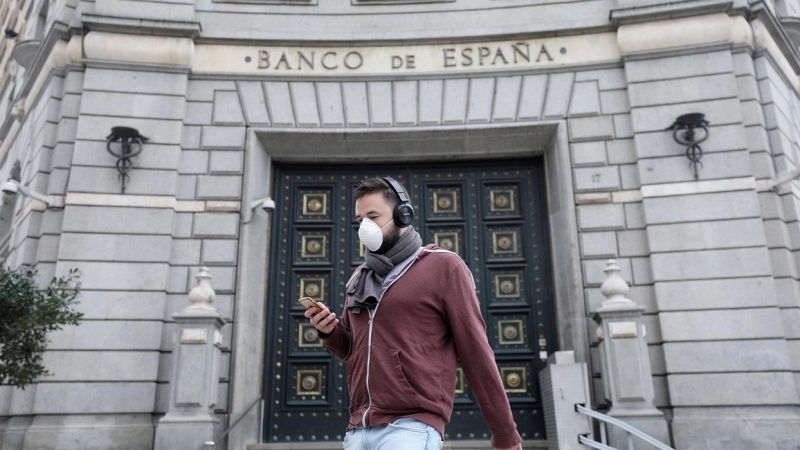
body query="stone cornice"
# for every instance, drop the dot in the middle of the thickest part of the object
(764, 42)
(130, 48)
(697, 31)
(663, 11)
(49, 55)
(175, 28)
(778, 35)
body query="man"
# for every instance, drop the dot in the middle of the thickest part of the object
(410, 317)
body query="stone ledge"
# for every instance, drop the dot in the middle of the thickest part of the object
(699, 187)
(177, 28)
(137, 201)
(688, 32)
(661, 11)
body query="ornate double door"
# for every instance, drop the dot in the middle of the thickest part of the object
(493, 216)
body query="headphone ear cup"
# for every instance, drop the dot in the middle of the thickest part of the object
(403, 215)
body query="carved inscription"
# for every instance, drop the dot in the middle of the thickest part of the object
(504, 54)
(302, 60)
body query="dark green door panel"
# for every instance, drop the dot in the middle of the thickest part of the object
(493, 216)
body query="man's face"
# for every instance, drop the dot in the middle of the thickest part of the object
(375, 207)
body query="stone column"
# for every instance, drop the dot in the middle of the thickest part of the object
(627, 378)
(190, 420)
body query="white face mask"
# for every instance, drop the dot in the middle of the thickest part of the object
(371, 234)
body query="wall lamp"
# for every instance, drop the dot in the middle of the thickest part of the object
(683, 131)
(12, 187)
(125, 136)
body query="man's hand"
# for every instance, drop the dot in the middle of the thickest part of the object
(516, 447)
(323, 319)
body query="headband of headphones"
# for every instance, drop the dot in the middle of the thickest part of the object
(398, 189)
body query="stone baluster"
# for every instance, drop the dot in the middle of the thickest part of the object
(627, 377)
(190, 420)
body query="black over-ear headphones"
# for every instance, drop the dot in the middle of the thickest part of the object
(403, 213)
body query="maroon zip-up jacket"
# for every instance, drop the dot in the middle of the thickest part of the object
(427, 321)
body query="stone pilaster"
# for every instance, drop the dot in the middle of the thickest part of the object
(190, 420)
(627, 377)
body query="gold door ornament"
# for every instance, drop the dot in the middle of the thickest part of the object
(307, 336)
(313, 246)
(460, 386)
(510, 332)
(447, 241)
(315, 204)
(309, 382)
(445, 202)
(501, 200)
(507, 286)
(313, 287)
(514, 379)
(504, 242)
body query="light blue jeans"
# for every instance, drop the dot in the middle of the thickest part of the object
(403, 434)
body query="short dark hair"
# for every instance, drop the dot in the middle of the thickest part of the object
(374, 185)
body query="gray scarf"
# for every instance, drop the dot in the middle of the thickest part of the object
(366, 287)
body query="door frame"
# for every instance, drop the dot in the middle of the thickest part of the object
(267, 146)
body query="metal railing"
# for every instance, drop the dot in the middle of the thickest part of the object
(603, 421)
(211, 445)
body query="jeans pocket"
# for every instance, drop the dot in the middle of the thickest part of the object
(351, 440)
(435, 442)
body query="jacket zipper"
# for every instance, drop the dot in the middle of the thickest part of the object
(369, 339)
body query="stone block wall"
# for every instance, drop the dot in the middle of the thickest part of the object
(724, 340)
(781, 210)
(137, 252)
(43, 147)
(610, 212)
(711, 260)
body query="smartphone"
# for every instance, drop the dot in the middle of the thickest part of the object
(309, 303)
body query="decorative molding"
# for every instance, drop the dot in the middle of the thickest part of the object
(49, 57)
(632, 196)
(405, 60)
(698, 187)
(593, 198)
(148, 201)
(596, 198)
(765, 41)
(662, 11)
(791, 25)
(157, 50)
(777, 28)
(178, 28)
(688, 32)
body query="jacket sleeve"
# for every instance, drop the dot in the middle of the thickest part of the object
(463, 312)
(339, 340)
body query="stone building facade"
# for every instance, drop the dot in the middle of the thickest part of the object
(558, 107)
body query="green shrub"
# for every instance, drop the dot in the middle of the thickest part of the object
(27, 315)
